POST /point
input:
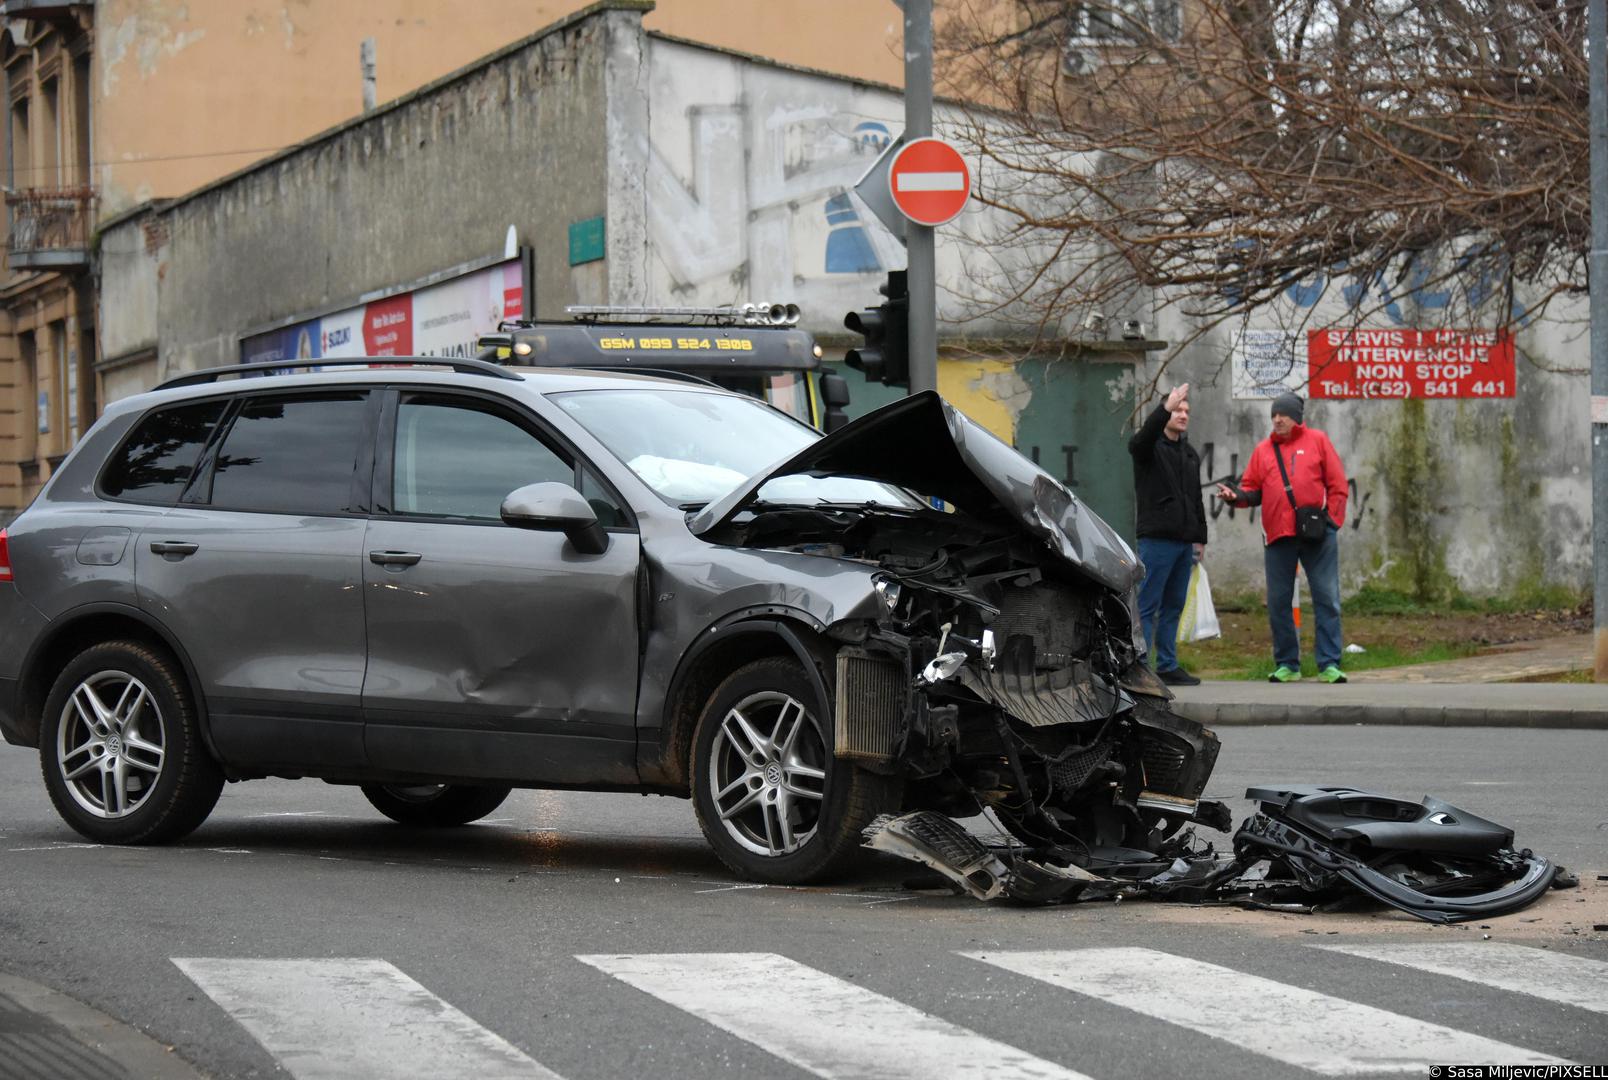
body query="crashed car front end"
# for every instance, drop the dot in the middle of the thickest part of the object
(1003, 669)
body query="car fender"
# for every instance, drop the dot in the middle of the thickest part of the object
(64, 624)
(664, 763)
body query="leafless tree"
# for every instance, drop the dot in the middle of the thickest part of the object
(1223, 151)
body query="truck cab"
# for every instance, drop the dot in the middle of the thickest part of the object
(754, 349)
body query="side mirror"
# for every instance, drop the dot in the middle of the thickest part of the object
(835, 395)
(556, 506)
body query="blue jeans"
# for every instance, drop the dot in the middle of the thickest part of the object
(1162, 594)
(1321, 560)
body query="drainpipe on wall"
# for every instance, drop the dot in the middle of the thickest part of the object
(1597, 33)
(366, 54)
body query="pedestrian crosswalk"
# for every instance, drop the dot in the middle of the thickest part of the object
(365, 1017)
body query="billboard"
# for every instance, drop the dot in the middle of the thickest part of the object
(444, 319)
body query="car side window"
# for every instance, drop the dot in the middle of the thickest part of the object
(291, 454)
(155, 463)
(456, 460)
(609, 513)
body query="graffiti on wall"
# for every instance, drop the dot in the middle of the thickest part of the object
(767, 203)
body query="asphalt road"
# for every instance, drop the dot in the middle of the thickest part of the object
(493, 921)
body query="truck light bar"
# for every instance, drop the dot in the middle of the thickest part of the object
(762, 314)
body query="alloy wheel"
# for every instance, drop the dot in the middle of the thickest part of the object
(110, 744)
(768, 771)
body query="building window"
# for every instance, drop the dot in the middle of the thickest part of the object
(21, 160)
(33, 408)
(1125, 22)
(49, 171)
(81, 140)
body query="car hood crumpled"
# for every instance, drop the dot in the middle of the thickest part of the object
(927, 445)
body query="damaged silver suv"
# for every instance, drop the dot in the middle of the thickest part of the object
(443, 584)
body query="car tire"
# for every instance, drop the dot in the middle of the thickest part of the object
(434, 805)
(121, 749)
(772, 799)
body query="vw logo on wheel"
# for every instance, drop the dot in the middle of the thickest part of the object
(773, 774)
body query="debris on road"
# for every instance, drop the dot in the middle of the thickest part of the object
(1304, 849)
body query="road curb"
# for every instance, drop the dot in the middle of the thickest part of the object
(1231, 714)
(79, 1041)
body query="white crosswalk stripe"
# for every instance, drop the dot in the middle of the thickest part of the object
(1567, 980)
(821, 1023)
(354, 1020)
(1293, 1025)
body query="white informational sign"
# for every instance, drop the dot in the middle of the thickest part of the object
(1267, 363)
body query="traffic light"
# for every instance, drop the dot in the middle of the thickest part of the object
(885, 356)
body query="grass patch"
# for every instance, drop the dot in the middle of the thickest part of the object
(1374, 600)
(1251, 659)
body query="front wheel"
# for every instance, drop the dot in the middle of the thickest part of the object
(434, 805)
(121, 750)
(771, 798)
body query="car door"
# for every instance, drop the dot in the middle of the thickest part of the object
(258, 573)
(494, 652)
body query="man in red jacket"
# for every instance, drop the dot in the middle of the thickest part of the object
(1315, 479)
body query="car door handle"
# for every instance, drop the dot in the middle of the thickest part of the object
(181, 548)
(394, 558)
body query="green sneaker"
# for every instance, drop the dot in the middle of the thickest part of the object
(1285, 674)
(1332, 674)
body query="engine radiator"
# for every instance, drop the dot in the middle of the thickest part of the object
(870, 704)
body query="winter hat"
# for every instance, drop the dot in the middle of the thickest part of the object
(1288, 405)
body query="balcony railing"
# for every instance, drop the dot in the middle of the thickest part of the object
(50, 228)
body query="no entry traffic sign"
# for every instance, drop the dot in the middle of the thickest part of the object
(929, 181)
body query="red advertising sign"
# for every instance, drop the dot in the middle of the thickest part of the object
(929, 181)
(1410, 363)
(388, 326)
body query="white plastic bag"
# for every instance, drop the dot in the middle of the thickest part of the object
(1199, 620)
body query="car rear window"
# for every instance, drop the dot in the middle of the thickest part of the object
(291, 454)
(155, 464)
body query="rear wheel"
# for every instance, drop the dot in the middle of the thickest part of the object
(121, 749)
(772, 800)
(434, 805)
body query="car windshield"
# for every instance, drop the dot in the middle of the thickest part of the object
(692, 447)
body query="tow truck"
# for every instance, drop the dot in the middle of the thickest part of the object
(754, 349)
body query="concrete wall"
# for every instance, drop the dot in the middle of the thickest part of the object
(427, 184)
(1475, 496)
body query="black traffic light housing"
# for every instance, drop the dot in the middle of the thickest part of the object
(885, 356)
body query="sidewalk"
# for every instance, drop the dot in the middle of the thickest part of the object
(1219, 703)
(1488, 690)
(1520, 661)
(46, 1035)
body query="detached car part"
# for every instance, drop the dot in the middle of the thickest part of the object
(1304, 846)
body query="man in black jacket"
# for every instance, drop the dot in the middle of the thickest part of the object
(1172, 526)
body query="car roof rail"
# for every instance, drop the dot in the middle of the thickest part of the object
(279, 367)
(661, 373)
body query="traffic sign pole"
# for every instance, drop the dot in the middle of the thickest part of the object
(919, 239)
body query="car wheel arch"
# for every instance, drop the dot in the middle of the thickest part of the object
(80, 628)
(738, 639)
